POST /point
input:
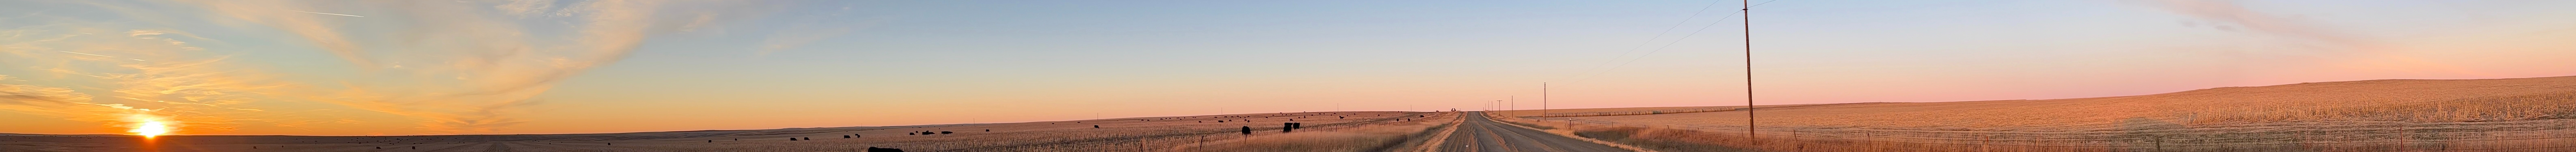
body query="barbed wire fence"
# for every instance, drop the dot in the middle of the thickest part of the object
(1165, 141)
(1847, 140)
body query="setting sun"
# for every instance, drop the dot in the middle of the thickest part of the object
(150, 128)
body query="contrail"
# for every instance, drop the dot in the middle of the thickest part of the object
(329, 13)
(98, 55)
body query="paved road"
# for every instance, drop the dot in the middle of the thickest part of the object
(1478, 134)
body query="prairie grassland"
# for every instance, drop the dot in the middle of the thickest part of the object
(1118, 134)
(1385, 137)
(1830, 140)
(1532, 113)
(2522, 114)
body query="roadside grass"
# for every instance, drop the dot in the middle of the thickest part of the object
(1543, 127)
(2500, 108)
(1659, 140)
(1378, 138)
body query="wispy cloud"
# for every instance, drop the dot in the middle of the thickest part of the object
(812, 28)
(2371, 55)
(96, 55)
(183, 85)
(461, 70)
(331, 14)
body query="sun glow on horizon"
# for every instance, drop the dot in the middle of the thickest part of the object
(151, 126)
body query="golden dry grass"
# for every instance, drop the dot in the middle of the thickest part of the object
(2500, 114)
(1389, 137)
(1119, 134)
(1528, 113)
(2371, 100)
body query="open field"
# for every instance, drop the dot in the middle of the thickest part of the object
(1625, 111)
(2523, 114)
(1397, 136)
(1121, 134)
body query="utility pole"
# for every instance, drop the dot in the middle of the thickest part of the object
(1748, 73)
(1542, 100)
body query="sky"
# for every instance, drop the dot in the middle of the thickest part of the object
(288, 67)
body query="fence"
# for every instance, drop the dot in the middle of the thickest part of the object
(1110, 142)
(1681, 139)
(1623, 113)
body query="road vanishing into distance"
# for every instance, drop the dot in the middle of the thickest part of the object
(1479, 134)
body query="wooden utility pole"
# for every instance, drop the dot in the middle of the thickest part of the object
(1748, 73)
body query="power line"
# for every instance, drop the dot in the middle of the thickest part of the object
(1581, 78)
(1748, 71)
(1658, 35)
(1657, 49)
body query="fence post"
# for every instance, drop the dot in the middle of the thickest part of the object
(1802, 143)
(2160, 144)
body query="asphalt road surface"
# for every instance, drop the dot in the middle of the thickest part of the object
(1478, 134)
